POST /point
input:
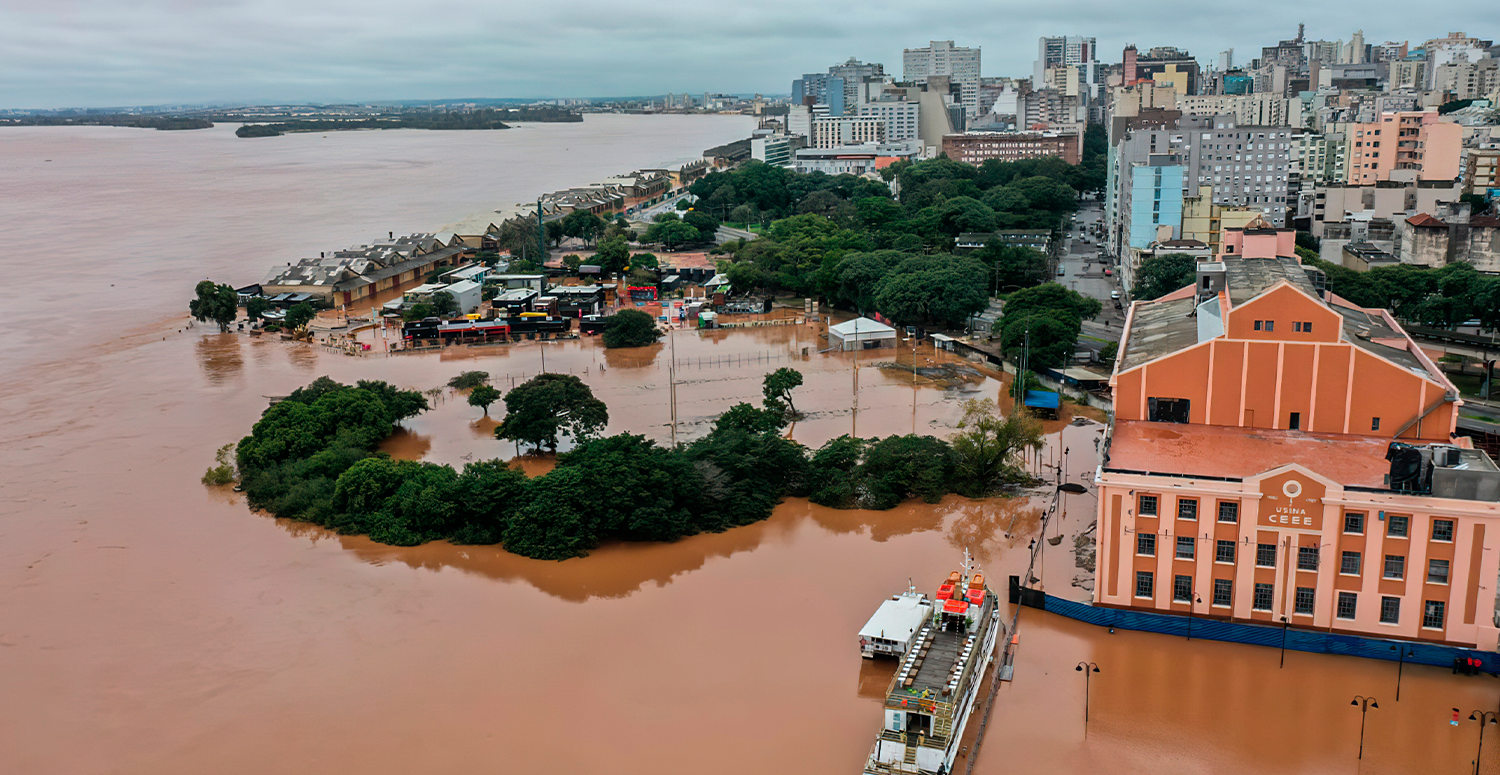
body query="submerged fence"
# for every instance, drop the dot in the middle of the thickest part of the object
(1262, 635)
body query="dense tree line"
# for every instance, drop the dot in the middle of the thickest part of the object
(311, 457)
(1441, 298)
(849, 241)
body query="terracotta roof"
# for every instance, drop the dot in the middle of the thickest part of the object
(1237, 453)
(1485, 222)
(1423, 219)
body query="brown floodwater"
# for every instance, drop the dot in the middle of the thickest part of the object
(149, 624)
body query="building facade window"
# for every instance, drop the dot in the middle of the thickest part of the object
(1395, 526)
(1185, 546)
(1265, 555)
(1354, 522)
(1224, 551)
(1349, 563)
(1437, 571)
(1432, 614)
(1147, 506)
(1223, 592)
(1145, 543)
(1442, 530)
(1182, 589)
(1346, 605)
(1144, 583)
(1390, 610)
(1229, 511)
(1187, 508)
(1304, 601)
(1307, 558)
(1395, 566)
(1264, 594)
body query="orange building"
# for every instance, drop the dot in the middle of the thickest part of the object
(1415, 141)
(1279, 454)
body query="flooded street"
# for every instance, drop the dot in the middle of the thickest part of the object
(152, 625)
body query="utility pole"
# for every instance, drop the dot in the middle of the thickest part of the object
(541, 234)
(672, 381)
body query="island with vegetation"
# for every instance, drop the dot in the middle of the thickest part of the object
(486, 118)
(165, 123)
(313, 457)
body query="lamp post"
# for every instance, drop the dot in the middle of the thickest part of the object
(1364, 704)
(1402, 652)
(1284, 625)
(1483, 717)
(1195, 599)
(1086, 668)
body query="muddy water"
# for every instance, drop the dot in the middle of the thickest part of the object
(151, 625)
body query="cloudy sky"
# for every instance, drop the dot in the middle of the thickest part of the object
(56, 53)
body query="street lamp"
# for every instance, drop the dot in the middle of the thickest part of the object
(1364, 704)
(1086, 668)
(1197, 598)
(1483, 717)
(1284, 625)
(1402, 652)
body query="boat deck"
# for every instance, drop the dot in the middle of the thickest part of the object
(937, 657)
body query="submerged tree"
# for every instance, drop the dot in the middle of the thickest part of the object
(984, 450)
(300, 315)
(778, 386)
(483, 396)
(540, 409)
(630, 328)
(216, 302)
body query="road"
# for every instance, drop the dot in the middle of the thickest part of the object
(649, 214)
(1081, 270)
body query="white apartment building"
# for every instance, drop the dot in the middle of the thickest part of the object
(902, 119)
(941, 57)
(836, 131)
(1248, 109)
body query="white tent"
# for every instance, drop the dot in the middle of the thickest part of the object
(861, 333)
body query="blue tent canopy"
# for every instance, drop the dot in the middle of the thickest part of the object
(1042, 399)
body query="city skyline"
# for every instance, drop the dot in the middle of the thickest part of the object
(95, 54)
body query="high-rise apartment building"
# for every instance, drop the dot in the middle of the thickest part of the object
(1245, 166)
(1404, 146)
(1060, 52)
(941, 58)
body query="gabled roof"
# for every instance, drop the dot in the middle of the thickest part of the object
(1425, 220)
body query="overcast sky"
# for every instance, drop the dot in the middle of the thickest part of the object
(56, 53)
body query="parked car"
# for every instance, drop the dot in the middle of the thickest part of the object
(1114, 294)
(1109, 272)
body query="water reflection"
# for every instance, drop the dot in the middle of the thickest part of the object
(303, 356)
(219, 356)
(633, 357)
(618, 570)
(406, 445)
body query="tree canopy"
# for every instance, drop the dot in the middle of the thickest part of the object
(1161, 275)
(311, 457)
(547, 406)
(630, 328)
(1050, 317)
(300, 315)
(214, 302)
(778, 386)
